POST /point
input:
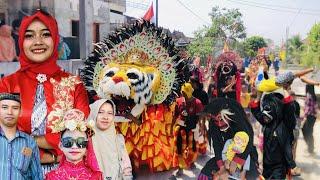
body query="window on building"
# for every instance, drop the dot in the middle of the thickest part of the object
(75, 28)
(116, 12)
(96, 32)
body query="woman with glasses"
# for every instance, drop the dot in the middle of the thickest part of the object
(45, 89)
(78, 160)
(109, 147)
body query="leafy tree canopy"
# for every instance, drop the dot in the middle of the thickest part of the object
(252, 44)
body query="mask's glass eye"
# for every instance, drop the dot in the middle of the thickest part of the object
(110, 74)
(132, 75)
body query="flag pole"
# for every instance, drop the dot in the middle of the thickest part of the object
(157, 13)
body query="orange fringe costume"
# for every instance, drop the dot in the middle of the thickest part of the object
(187, 156)
(151, 143)
(138, 68)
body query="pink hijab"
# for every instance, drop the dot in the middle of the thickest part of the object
(7, 46)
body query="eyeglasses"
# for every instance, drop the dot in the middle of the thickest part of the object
(68, 142)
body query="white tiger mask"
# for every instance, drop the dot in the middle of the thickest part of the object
(131, 82)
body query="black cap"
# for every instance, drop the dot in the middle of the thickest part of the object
(10, 96)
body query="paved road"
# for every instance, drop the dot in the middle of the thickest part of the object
(310, 164)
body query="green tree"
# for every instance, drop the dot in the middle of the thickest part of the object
(227, 25)
(311, 52)
(201, 45)
(295, 46)
(252, 44)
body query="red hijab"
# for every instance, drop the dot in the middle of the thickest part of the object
(48, 67)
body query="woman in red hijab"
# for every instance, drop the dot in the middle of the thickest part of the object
(46, 91)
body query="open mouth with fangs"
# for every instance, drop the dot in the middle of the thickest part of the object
(124, 105)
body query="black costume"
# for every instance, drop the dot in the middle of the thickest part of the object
(222, 130)
(276, 114)
(198, 92)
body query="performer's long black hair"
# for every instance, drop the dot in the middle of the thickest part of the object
(310, 90)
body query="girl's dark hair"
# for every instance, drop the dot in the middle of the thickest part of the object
(310, 90)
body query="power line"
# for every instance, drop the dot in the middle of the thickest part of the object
(271, 8)
(279, 6)
(190, 10)
(295, 17)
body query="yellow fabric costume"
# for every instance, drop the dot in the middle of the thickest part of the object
(238, 145)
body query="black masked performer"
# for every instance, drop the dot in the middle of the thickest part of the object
(228, 118)
(227, 75)
(276, 113)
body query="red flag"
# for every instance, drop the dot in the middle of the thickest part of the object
(149, 14)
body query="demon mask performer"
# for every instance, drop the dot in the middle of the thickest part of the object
(274, 113)
(228, 118)
(227, 75)
(46, 91)
(138, 68)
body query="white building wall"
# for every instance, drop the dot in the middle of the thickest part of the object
(65, 12)
(68, 10)
(116, 18)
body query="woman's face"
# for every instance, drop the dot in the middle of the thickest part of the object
(74, 145)
(105, 116)
(38, 44)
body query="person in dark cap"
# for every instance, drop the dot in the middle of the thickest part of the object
(8, 96)
(19, 152)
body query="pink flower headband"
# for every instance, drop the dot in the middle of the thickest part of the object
(72, 120)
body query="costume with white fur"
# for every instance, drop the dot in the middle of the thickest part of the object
(139, 69)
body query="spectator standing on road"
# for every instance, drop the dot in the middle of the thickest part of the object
(276, 65)
(310, 113)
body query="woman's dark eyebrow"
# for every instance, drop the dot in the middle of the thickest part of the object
(31, 31)
(28, 30)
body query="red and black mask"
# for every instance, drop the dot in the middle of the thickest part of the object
(222, 119)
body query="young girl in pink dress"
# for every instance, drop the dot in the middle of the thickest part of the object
(78, 161)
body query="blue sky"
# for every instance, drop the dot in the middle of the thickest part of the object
(259, 21)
